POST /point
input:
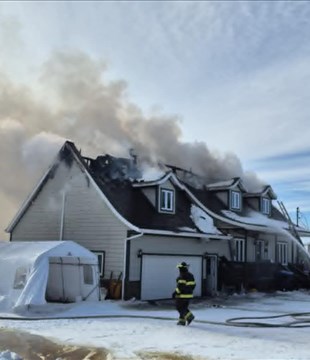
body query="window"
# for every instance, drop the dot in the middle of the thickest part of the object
(88, 275)
(20, 277)
(101, 261)
(166, 200)
(282, 253)
(259, 250)
(265, 206)
(240, 250)
(235, 200)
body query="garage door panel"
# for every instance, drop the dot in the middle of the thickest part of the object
(159, 273)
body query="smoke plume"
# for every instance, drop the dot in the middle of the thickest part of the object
(74, 101)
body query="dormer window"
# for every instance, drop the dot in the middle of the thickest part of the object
(265, 206)
(166, 200)
(235, 200)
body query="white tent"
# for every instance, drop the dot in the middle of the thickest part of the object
(36, 272)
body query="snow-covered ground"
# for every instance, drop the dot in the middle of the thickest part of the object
(128, 329)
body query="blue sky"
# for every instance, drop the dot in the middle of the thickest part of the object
(235, 74)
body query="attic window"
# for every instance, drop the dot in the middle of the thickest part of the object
(166, 200)
(235, 200)
(265, 206)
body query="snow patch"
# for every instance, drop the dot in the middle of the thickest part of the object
(203, 221)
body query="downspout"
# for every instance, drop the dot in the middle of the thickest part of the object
(125, 260)
(62, 219)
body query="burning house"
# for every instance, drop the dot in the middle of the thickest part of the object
(141, 227)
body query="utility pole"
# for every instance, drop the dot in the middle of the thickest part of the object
(297, 216)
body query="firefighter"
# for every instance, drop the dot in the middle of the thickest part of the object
(183, 293)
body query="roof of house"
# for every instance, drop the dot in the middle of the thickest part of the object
(121, 185)
(227, 185)
(267, 190)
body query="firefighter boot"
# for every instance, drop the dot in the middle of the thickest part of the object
(189, 317)
(181, 322)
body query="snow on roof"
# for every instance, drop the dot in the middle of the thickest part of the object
(152, 173)
(221, 184)
(203, 221)
(264, 191)
(256, 218)
(227, 184)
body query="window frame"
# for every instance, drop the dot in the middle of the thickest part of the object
(235, 200)
(239, 250)
(88, 274)
(259, 249)
(20, 277)
(101, 264)
(282, 253)
(265, 205)
(167, 196)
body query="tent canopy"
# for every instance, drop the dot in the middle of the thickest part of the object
(31, 271)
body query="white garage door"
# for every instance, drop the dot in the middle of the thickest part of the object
(159, 273)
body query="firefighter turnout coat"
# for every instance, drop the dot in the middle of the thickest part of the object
(185, 286)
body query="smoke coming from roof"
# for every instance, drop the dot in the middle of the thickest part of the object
(74, 101)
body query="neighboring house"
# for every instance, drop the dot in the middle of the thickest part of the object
(141, 229)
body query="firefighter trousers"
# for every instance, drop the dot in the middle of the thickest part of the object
(182, 308)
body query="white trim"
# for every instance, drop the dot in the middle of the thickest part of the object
(108, 203)
(186, 234)
(265, 205)
(235, 200)
(216, 216)
(83, 169)
(227, 185)
(169, 175)
(62, 218)
(110, 206)
(166, 196)
(240, 250)
(282, 252)
(224, 219)
(154, 182)
(125, 260)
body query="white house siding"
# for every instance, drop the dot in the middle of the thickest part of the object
(86, 218)
(90, 222)
(42, 220)
(172, 245)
